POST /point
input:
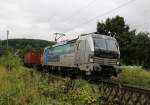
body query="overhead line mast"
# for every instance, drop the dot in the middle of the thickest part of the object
(7, 32)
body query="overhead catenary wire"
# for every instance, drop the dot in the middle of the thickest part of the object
(101, 15)
(141, 25)
(144, 23)
(147, 11)
(79, 10)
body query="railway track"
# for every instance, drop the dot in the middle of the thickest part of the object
(125, 94)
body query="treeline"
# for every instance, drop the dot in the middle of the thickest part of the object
(21, 46)
(134, 46)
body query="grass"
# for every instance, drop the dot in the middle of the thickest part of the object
(134, 75)
(23, 86)
(17, 86)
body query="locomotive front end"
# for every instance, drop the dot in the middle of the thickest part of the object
(101, 53)
(106, 55)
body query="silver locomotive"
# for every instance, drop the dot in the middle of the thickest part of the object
(89, 53)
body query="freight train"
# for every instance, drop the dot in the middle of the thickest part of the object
(89, 54)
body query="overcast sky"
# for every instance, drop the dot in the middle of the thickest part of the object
(39, 19)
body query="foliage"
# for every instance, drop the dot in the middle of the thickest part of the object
(113, 26)
(24, 45)
(24, 86)
(10, 61)
(141, 46)
(134, 75)
(134, 47)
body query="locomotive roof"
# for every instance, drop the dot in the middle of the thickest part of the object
(92, 34)
(65, 42)
(103, 36)
(96, 35)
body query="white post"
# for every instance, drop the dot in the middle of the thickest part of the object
(7, 37)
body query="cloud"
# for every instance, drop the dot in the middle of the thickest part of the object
(41, 18)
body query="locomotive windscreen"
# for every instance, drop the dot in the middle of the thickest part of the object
(112, 45)
(99, 44)
(105, 44)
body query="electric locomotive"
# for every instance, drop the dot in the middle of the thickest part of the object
(90, 53)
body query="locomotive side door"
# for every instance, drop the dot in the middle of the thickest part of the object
(80, 52)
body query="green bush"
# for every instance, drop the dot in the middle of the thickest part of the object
(10, 61)
(134, 75)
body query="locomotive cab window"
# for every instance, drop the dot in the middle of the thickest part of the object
(112, 45)
(100, 44)
(105, 44)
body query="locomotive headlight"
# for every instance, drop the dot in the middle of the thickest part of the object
(118, 62)
(91, 59)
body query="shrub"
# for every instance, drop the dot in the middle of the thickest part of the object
(134, 75)
(10, 61)
(23, 86)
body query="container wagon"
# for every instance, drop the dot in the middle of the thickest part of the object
(33, 59)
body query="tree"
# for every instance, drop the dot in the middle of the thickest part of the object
(142, 49)
(113, 26)
(134, 47)
(117, 28)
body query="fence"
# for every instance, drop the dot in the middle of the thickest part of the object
(125, 95)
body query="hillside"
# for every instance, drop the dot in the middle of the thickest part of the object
(25, 45)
